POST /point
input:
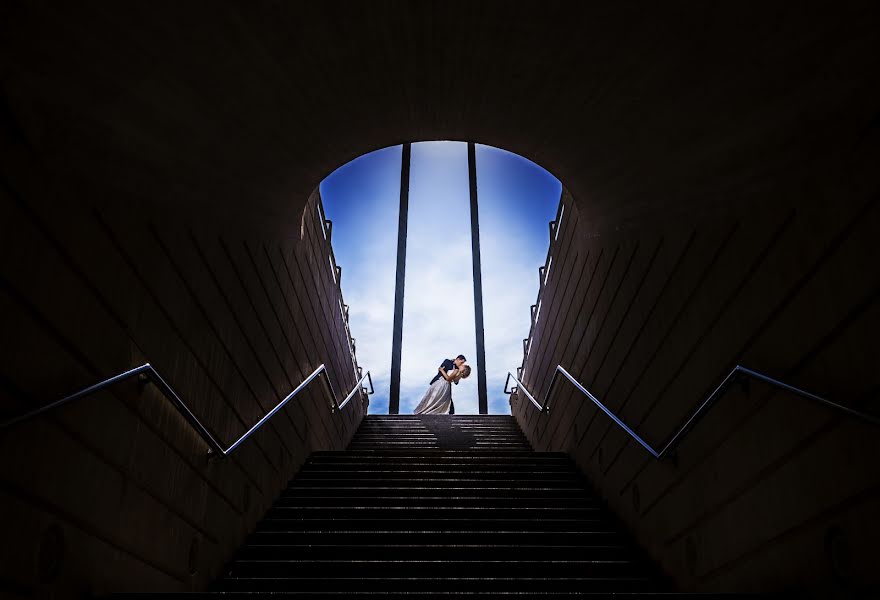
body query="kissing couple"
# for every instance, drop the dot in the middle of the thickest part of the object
(438, 399)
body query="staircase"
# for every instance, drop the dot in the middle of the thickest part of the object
(438, 507)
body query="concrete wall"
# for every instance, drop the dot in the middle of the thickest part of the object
(769, 491)
(116, 491)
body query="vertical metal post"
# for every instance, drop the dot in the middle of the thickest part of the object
(478, 282)
(397, 339)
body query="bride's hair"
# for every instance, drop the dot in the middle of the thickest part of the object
(465, 371)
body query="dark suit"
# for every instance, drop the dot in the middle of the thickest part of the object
(448, 364)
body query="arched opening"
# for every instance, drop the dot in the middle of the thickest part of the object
(516, 199)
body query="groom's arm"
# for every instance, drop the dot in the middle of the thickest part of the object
(448, 377)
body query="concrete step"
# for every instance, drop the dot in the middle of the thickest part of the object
(444, 595)
(462, 552)
(425, 480)
(440, 523)
(476, 467)
(442, 472)
(344, 583)
(361, 502)
(340, 536)
(439, 453)
(422, 491)
(447, 507)
(372, 567)
(422, 512)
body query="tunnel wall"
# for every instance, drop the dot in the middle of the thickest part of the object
(668, 122)
(116, 491)
(769, 491)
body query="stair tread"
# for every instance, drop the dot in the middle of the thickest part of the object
(432, 506)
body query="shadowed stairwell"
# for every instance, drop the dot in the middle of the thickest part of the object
(439, 506)
(720, 207)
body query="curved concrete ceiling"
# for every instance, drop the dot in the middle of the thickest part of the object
(635, 107)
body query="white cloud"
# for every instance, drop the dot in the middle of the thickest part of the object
(439, 320)
(438, 307)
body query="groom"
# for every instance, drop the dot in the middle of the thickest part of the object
(447, 365)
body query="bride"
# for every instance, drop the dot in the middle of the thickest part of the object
(438, 398)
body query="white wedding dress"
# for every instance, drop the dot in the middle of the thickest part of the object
(436, 400)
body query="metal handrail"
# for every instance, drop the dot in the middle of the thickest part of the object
(336, 272)
(738, 372)
(543, 271)
(147, 373)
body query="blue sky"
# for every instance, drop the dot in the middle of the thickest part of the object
(517, 199)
